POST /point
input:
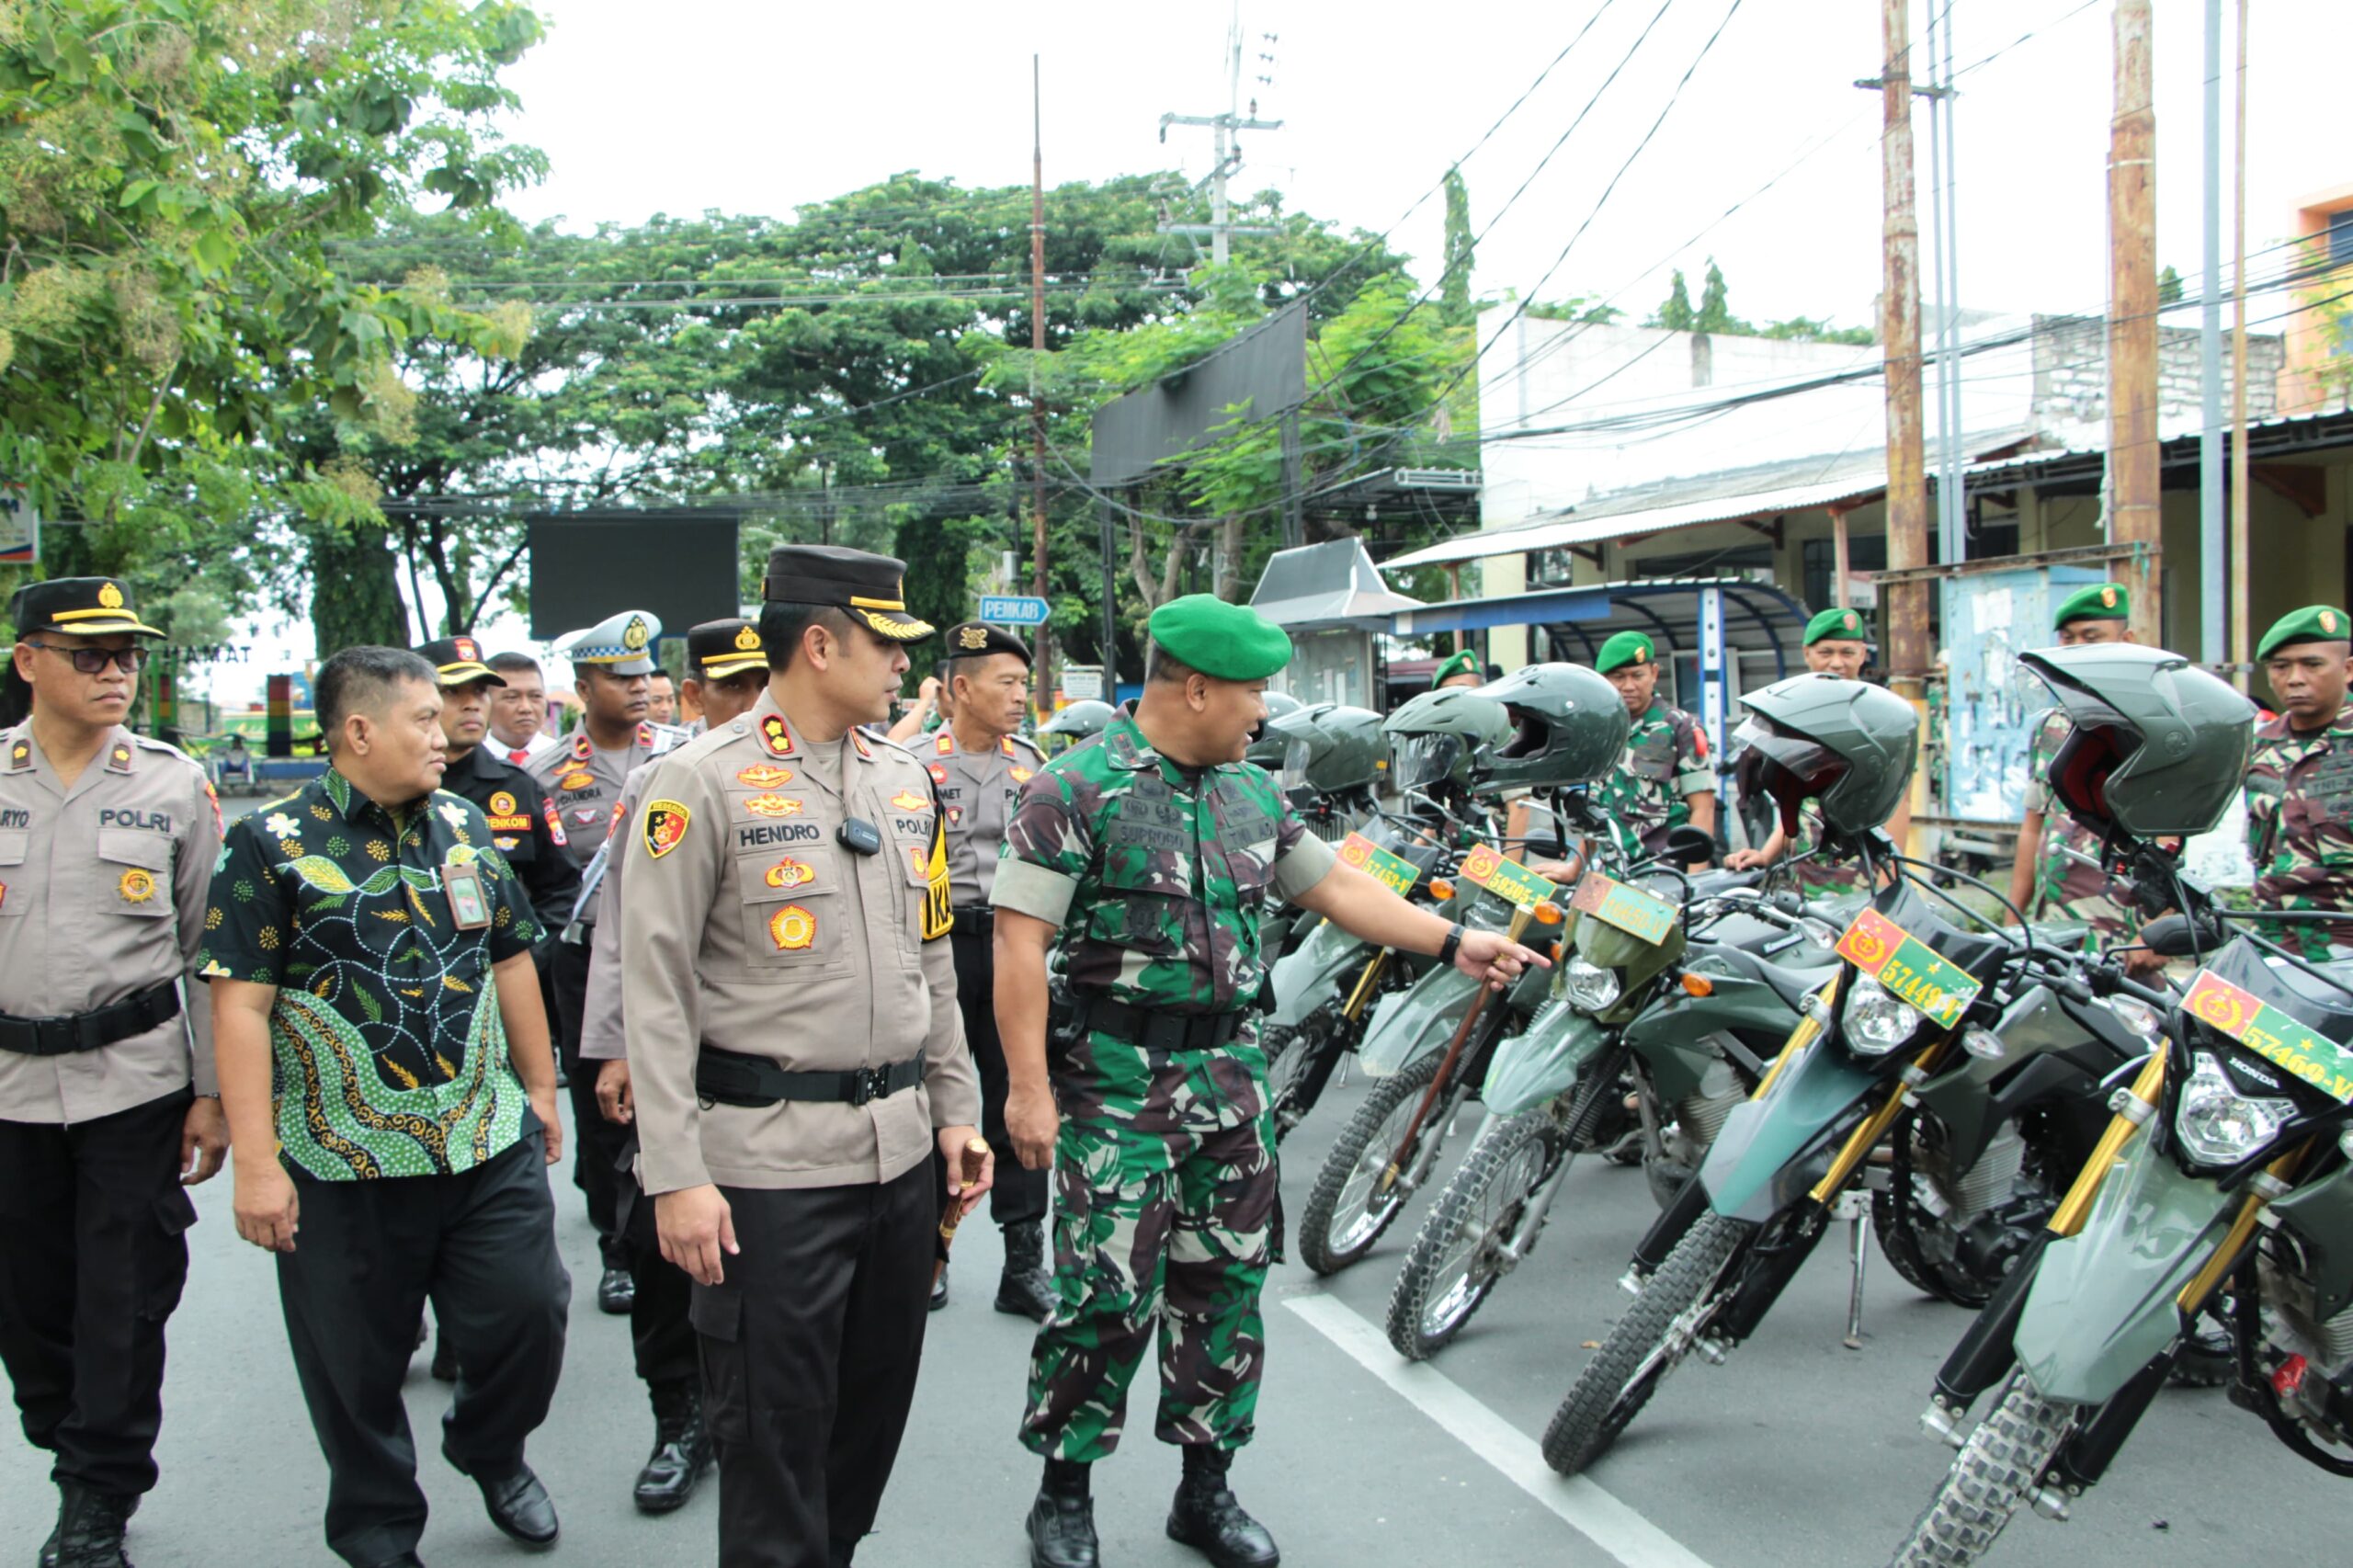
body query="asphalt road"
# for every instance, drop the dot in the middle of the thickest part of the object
(1796, 1453)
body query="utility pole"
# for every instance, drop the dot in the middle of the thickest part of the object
(2241, 647)
(2213, 568)
(1904, 608)
(1228, 152)
(1044, 696)
(2134, 478)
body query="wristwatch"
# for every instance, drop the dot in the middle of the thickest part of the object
(1447, 949)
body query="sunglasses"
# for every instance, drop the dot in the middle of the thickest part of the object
(94, 661)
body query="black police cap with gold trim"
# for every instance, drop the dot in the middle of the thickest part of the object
(870, 587)
(717, 649)
(978, 640)
(457, 660)
(87, 607)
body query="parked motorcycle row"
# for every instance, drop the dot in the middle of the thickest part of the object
(2127, 1182)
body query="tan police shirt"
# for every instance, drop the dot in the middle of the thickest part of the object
(977, 790)
(585, 781)
(102, 890)
(746, 927)
(601, 1036)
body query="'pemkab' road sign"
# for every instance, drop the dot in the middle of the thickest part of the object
(1014, 609)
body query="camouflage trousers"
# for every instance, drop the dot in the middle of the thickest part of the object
(1165, 1217)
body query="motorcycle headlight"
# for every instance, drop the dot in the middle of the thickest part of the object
(1876, 1021)
(2219, 1125)
(1589, 987)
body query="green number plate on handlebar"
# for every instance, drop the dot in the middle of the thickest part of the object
(2270, 1034)
(1908, 967)
(1508, 880)
(1644, 915)
(1392, 871)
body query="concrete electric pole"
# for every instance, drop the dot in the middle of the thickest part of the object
(2134, 478)
(1229, 153)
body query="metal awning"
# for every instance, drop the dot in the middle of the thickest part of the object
(1604, 521)
(1757, 617)
(1332, 583)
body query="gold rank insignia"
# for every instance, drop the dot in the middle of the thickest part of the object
(111, 596)
(764, 775)
(665, 826)
(583, 748)
(636, 634)
(773, 806)
(791, 928)
(502, 804)
(946, 744)
(789, 873)
(777, 738)
(908, 801)
(137, 886)
(580, 778)
(645, 734)
(1021, 776)
(749, 640)
(122, 757)
(973, 637)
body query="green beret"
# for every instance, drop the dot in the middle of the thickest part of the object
(1842, 623)
(1625, 648)
(2314, 623)
(2096, 601)
(1464, 663)
(1224, 641)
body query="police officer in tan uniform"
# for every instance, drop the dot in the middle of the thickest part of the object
(726, 672)
(611, 664)
(978, 764)
(107, 1101)
(796, 1055)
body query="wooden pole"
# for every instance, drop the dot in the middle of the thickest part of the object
(1045, 693)
(1839, 575)
(2134, 516)
(2241, 645)
(1904, 610)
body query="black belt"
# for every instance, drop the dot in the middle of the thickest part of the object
(1157, 1030)
(72, 1032)
(975, 917)
(730, 1077)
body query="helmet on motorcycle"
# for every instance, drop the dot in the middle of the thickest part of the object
(1568, 726)
(1271, 740)
(2159, 747)
(1434, 736)
(1281, 702)
(1074, 723)
(1845, 743)
(1329, 749)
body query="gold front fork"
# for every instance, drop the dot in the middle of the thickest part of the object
(1365, 984)
(2226, 1257)
(1874, 1127)
(2072, 1210)
(1809, 1028)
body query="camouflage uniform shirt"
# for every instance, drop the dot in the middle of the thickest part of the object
(2064, 887)
(2300, 825)
(1666, 760)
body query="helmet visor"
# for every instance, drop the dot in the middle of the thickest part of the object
(1424, 761)
(1293, 773)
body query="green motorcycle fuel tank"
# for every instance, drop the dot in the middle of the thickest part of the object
(1543, 1060)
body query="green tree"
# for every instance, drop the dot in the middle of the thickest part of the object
(1454, 290)
(2169, 287)
(1714, 314)
(1675, 313)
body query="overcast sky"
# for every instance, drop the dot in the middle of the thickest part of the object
(755, 106)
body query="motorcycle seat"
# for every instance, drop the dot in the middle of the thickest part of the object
(1793, 983)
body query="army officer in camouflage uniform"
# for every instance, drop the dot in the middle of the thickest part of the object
(1147, 859)
(2299, 782)
(1665, 778)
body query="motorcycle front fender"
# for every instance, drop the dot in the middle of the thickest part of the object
(1303, 978)
(2102, 1302)
(1410, 1024)
(1772, 1150)
(1541, 1063)
(1670, 1032)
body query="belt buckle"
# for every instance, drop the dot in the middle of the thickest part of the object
(56, 1036)
(867, 1083)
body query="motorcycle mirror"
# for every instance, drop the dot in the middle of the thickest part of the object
(1687, 843)
(2173, 936)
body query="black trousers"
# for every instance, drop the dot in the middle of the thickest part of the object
(810, 1346)
(481, 1246)
(659, 1330)
(596, 1145)
(1019, 1197)
(93, 1253)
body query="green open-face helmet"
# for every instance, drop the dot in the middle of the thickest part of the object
(1329, 750)
(2159, 747)
(1846, 744)
(1434, 737)
(1074, 723)
(1568, 726)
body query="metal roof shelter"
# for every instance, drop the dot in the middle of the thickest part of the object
(1332, 583)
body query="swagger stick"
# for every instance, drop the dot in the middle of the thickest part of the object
(976, 1159)
(1396, 1167)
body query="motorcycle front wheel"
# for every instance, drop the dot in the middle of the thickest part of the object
(1996, 1470)
(1451, 1267)
(1348, 1209)
(1646, 1344)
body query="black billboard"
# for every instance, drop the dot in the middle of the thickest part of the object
(679, 564)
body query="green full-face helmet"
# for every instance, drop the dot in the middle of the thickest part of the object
(1568, 724)
(1329, 750)
(2159, 747)
(1434, 737)
(1846, 744)
(1074, 723)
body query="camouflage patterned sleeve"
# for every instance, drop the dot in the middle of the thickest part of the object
(2047, 736)
(1048, 842)
(1301, 859)
(1694, 773)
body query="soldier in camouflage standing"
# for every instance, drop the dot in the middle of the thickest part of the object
(1148, 858)
(1665, 778)
(2299, 782)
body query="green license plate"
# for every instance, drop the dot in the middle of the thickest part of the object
(1631, 910)
(2271, 1034)
(1908, 967)
(1392, 871)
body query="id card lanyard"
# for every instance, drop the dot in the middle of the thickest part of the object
(469, 897)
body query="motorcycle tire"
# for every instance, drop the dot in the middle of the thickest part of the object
(1449, 1271)
(1637, 1357)
(1996, 1470)
(1898, 1221)
(1345, 1213)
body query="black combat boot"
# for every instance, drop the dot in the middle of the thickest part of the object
(1206, 1518)
(1025, 1289)
(681, 1449)
(1062, 1521)
(90, 1526)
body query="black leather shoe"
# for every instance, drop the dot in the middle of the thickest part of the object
(681, 1449)
(1025, 1289)
(89, 1527)
(1061, 1531)
(519, 1507)
(615, 1292)
(1206, 1518)
(445, 1361)
(939, 1292)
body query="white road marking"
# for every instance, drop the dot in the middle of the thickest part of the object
(1584, 1506)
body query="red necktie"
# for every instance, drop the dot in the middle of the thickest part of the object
(516, 755)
